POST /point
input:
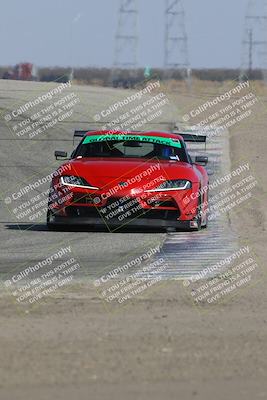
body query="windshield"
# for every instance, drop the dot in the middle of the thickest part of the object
(131, 146)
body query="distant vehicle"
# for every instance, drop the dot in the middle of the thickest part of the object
(137, 178)
(125, 83)
(22, 72)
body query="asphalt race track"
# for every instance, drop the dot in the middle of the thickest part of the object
(24, 161)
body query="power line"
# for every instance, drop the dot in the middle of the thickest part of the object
(126, 39)
(254, 45)
(176, 48)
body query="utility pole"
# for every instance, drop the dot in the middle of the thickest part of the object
(176, 49)
(250, 43)
(254, 45)
(126, 38)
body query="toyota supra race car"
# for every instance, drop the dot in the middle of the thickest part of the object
(130, 178)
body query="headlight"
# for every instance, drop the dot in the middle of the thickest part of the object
(76, 181)
(178, 184)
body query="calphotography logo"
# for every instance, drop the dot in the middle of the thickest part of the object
(125, 282)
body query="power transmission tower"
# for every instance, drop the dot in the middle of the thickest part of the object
(254, 45)
(176, 50)
(126, 39)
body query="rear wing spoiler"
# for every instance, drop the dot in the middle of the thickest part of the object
(193, 137)
(188, 137)
(81, 134)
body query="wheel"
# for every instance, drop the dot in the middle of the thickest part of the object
(50, 226)
(198, 218)
(204, 224)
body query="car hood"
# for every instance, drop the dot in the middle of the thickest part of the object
(101, 171)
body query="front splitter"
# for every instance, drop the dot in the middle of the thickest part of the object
(145, 222)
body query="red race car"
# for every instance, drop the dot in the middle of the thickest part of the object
(130, 178)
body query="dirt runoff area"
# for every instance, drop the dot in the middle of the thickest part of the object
(158, 347)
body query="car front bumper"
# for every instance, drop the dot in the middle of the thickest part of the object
(138, 222)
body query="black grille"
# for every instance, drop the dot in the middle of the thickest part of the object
(76, 211)
(82, 198)
(170, 215)
(93, 212)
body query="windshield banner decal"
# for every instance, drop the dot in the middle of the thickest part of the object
(136, 138)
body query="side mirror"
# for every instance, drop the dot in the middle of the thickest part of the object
(201, 160)
(61, 154)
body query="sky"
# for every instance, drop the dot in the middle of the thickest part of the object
(81, 33)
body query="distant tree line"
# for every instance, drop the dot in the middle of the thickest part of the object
(109, 77)
(106, 76)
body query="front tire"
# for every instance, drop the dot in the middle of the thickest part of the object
(49, 224)
(205, 222)
(198, 218)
